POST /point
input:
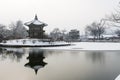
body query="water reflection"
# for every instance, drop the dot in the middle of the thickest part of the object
(35, 60)
(11, 53)
(62, 65)
(35, 57)
(96, 56)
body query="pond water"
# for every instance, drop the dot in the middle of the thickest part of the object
(37, 64)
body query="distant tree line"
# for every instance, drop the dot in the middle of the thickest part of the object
(63, 35)
(98, 29)
(95, 29)
(17, 30)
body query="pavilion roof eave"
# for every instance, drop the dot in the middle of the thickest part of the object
(35, 22)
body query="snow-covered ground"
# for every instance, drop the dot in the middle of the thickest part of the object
(88, 46)
(73, 46)
(32, 42)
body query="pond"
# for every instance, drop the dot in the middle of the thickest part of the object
(38, 64)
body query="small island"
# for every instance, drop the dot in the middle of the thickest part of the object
(36, 37)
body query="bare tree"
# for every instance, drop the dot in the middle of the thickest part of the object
(91, 30)
(96, 30)
(101, 30)
(2, 30)
(114, 18)
(56, 34)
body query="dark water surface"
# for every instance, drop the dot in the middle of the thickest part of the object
(37, 64)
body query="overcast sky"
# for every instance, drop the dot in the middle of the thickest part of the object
(64, 14)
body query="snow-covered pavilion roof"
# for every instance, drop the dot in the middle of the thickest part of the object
(35, 22)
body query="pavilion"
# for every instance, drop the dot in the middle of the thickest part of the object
(36, 28)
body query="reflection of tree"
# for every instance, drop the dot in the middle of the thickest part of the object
(35, 60)
(96, 56)
(13, 55)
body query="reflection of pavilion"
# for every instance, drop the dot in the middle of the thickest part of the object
(35, 61)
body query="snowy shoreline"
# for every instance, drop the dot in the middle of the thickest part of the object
(32, 43)
(88, 46)
(83, 46)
